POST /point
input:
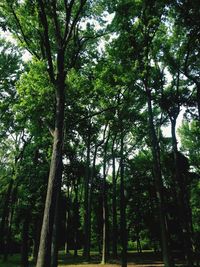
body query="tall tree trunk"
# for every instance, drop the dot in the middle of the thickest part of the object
(37, 229)
(9, 222)
(25, 240)
(91, 194)
(198, 100)
(167, 257)
(67, 219)
(86, 251)
(104, 206)
(114, 205)
(76, 214)
(54, 244)
(44, 255)
(123, 229)
(183, 205)
(4, 219)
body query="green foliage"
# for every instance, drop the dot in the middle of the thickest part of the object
(35, 106)
(190, 142)
(153, 51)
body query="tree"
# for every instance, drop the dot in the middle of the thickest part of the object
(48, 38)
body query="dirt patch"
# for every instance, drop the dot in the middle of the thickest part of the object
(113, 265)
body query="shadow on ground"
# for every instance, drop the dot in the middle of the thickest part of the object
(146, 259)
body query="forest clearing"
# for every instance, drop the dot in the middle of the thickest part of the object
(99, 133)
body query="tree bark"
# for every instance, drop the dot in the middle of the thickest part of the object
(123, 229)
(25, 240)
(54, 245)
(91, 195)
(104, 206)
(67, 219)
(183, 205)
(76, 214)
(44, 255)
(198, 100)
(37, 229)
(114, 205)
(4, 219)
(167, 257)
(86, 251)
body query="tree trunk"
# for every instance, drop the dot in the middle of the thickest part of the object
(37, 229)
(86, 251)
(167, 257)
(104, 207)
(139, 248)
(44, 255)
(4, 219)
(123, 229)
(9, 226)
(76, 214)
(114, 205)
(67, 219)
(198, 100)
(25, 240)
(91, 196)
(54, 245)
(183, 205)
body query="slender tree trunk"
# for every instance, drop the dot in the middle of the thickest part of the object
(67, 219)
(86, 251)
(183, 205)
(167, 257)
(123, 229)
(139, 248)
(107, 230)
(104, 259)
(76, 211)
(25, 240)
(198, 100)
(44, 255)
(4, 219)
(37, 229)
(9, 226)
(91, 195)
(104, 207)
(114, 205)
(8, 222)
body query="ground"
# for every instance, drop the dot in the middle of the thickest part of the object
(146, 259)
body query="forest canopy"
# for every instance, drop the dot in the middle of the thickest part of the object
(87, 91)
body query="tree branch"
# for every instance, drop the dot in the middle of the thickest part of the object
(56, 23)
(24, 38)
(43, 19)
(68, 33)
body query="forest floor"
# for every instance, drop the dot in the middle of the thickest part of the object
(145, 259)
